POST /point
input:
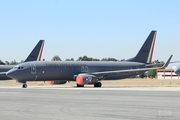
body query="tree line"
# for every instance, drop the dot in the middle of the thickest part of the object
(57, 58)
(85, 58)
(14, 62)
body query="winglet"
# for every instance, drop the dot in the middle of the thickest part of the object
(36, 53)
(167, 63)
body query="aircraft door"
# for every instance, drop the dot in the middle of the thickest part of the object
(33, 68)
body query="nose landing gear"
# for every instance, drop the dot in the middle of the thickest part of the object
(24, 85)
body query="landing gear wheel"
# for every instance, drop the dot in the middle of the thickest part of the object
(80, 85)
(98, 84)
(24, 85)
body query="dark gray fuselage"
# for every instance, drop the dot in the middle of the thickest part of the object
(59, 70)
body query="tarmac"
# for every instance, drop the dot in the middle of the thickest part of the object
(88, 103)
(113, 83)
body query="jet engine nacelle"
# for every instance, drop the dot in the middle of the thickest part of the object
(59, 82)
(83, 79)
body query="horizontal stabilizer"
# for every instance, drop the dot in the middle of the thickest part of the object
(157, 64)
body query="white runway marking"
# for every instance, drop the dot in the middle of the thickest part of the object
(102, 88)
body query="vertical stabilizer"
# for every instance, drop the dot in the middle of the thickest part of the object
(146, 52)
(36, 53)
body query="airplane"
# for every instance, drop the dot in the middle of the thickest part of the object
(177, 70)
(35, 55)
(86, 72)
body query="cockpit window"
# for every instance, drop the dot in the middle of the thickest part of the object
(19, 68)
(16, 67)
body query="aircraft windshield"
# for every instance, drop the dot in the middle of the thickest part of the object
(18, 67)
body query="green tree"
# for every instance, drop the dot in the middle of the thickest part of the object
(158, 63)
(95, 59)
(122, 60)
(142, 75)
(109, 59)
(84, 58)
(13, 62)
(7, 63)
(2, 63)
(22, 61)
(56, 58)
(72, 59)
(152, 73)
(79, 59)
(104, 59)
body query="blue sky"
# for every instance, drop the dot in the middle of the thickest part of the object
(96, 28)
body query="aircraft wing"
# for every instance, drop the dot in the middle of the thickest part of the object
(131, 70)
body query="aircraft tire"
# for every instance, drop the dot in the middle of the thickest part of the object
(24, 85)
(98, 84)
(80, 85)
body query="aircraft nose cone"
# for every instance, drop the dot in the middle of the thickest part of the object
(10, 73)
(177, 70)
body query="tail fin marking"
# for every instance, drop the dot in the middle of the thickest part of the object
(152, 49)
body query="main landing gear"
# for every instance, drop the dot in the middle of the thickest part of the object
(80, 85)
(24, 85)
(98, 84)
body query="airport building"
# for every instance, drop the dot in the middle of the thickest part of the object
(166, 74)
